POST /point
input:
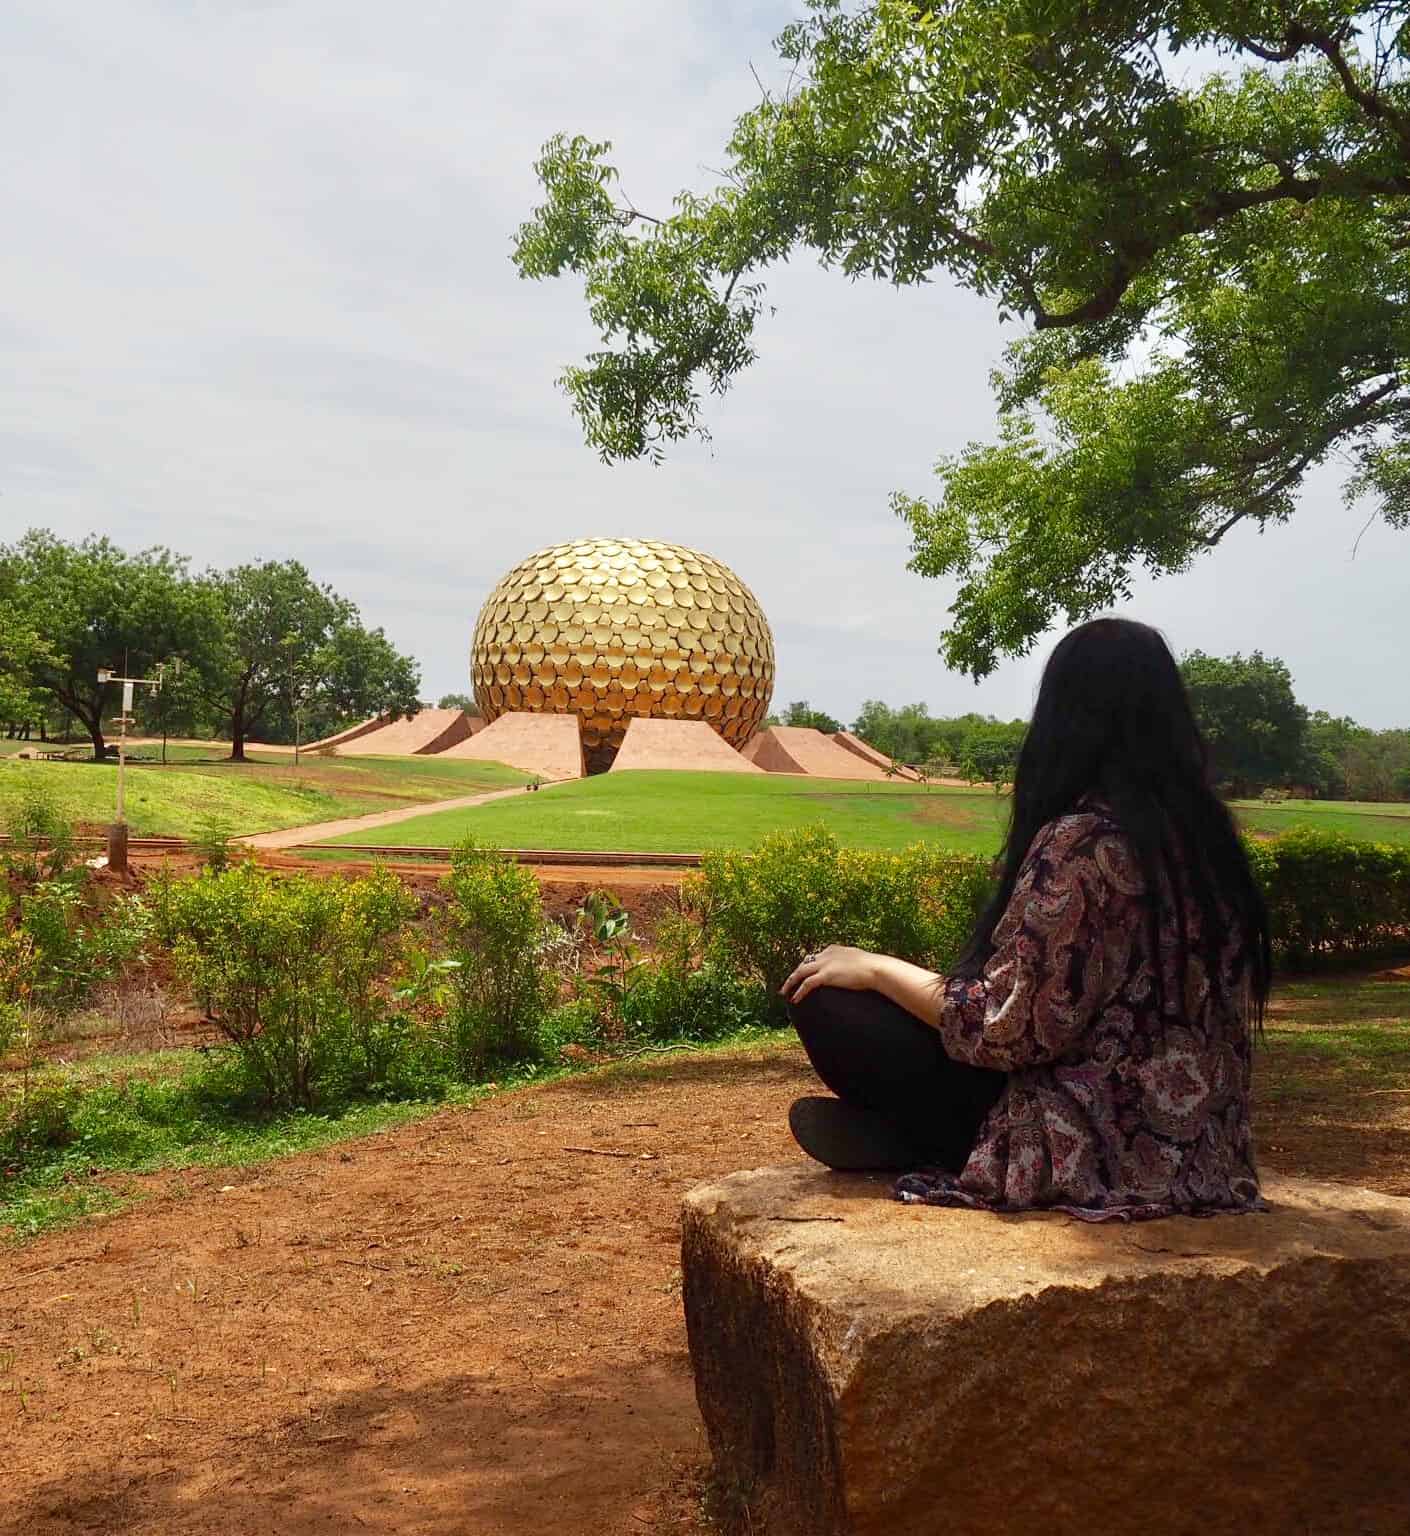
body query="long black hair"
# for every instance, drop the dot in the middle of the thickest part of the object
(1113, 723)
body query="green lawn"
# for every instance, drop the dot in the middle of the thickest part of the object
(675, 812)
(1381, 823)
(264, 794)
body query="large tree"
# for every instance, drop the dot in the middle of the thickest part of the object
(293, 645)
(1211, 265)
(1251, 721)
(93, 605)
(22, 652)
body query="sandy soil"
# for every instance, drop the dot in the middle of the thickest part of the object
(468, 1325)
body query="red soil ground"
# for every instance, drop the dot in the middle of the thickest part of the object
(468, 1325)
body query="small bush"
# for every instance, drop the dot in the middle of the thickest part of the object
(41, 840)
(57, 942)
(291, 970)
(764, 909)
(37, 1117)
(502, 986)
(685, 995)
(213, 843)
(1332, 897)
(619, 969)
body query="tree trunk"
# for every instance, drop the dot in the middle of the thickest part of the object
(237, 728)
(95, 735)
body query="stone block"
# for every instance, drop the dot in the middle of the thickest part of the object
(878, 1369)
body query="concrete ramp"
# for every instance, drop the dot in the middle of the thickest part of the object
(686, 744)
(869, 754)
(428, 731)
(550, 746)
(801, 749)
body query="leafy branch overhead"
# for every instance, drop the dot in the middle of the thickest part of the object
(1212, 266)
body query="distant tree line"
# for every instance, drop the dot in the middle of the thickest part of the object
(265, 651)
(1259, 737)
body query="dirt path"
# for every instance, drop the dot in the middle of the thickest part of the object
(318, 831)
(459, 1326)
(470, 1326)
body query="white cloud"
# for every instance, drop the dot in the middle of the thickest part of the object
(255, 299)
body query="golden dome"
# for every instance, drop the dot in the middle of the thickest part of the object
(610, 628)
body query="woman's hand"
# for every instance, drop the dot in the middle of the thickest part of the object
(836, 966)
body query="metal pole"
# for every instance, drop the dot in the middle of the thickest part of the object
(117, 841)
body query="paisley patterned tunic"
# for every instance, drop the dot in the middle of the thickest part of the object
(1114, 1108)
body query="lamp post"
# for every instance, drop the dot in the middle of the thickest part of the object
(117, 833)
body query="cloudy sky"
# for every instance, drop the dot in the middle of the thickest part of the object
(256, 301)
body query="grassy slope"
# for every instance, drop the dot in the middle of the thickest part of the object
(675, 812)
(257, 796)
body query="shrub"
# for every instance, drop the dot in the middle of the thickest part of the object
(1332, 897)
(763, 910)
(37, 1117)
(213, 843)
(502, 987)
(75, 944)
(685, 994)
(291, 971)
(620, 968)
(41, 840)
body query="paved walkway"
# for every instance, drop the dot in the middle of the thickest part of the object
(320, 831)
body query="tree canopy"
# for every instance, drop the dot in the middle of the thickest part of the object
(257, 643)
(800, 712)
(292, 646)
(97, 606)
(1255, 729)
(1211, 265)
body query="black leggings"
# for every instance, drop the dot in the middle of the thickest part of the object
(876, 1056)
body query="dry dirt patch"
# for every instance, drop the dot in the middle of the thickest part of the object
(471, 1324)
(458, 1326)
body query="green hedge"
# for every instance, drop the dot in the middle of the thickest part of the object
(1333, 898)
(764, 908)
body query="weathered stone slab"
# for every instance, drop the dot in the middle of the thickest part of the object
(866, 1367)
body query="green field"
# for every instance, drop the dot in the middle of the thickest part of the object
(1385, 822)
(669, 812)
(262, 795)
(674, 812)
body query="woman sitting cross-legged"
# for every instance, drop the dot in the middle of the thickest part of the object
(1091, 1050)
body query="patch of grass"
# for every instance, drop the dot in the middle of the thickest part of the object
(1377, 823)
(261, 795)
(678, 812)
(1341, 1046)
(681, 812)
(144, 1114)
